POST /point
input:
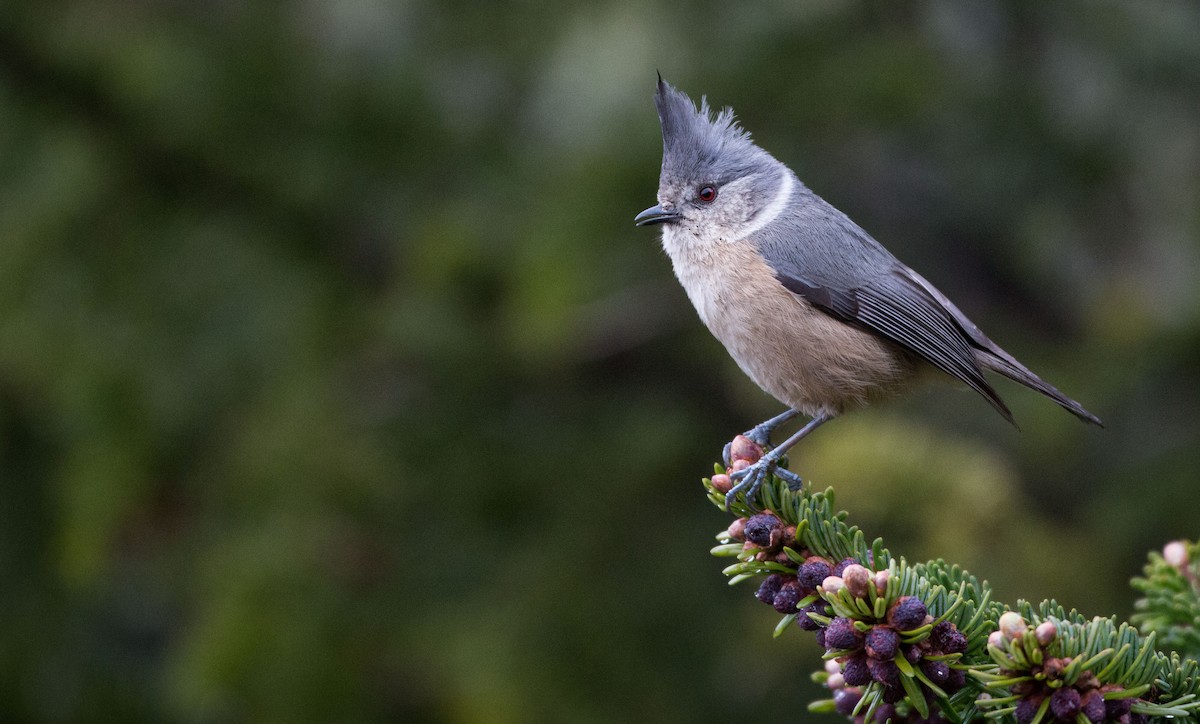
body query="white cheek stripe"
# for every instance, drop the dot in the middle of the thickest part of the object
(773, 209)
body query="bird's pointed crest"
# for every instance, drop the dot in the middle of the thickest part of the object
(696, 138)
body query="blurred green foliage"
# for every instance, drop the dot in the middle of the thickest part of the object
(336, 384)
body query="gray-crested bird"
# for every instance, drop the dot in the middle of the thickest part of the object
(812, 308)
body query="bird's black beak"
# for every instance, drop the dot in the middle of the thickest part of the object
(656, 215)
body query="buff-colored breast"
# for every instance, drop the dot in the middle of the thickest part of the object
(800, 355)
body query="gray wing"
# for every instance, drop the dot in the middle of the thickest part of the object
(818, 253)
(899, 308)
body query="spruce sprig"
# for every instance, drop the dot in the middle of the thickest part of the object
(926, 642)
(1170, 604)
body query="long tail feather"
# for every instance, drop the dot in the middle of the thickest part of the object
(1017, 372)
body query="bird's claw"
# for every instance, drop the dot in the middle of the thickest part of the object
(794, 481)
(750, 479)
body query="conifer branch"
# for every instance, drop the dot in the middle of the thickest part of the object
(925, 642)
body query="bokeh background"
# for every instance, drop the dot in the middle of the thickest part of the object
(337, 385)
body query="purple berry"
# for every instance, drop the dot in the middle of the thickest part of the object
(764, 530)
(844, 700)
(813, 572)
(882, 643)
(907, 613)
(789, 595)
(1093, 707)
(937, 671)
(941, 629)
(947, 639)
(806, 623)
(956, 681)
(1117, 708)
(956, 643)
(912, 652)
(855, 671)
(820, 637)
(885, 712)
(1064, 703)
(1027, 709)
(885, 672)
(841, 634)
(766, 592)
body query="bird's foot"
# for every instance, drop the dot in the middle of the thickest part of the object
(760, 434)
(749, 479)
(749, 466)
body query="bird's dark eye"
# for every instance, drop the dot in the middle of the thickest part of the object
(707, 194)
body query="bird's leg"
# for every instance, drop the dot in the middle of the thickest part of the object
(750, 479)
(761, 433)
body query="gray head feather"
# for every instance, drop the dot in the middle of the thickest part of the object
(698, 143)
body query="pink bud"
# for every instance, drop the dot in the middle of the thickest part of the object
(1045, 632)
(881, 581)
(996, 639)
(721, 483)
(1176, 553)
(743, 448)
(832, 584)
(857, 579)
(1012, 625)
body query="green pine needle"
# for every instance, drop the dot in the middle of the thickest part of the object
(1087, 651)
